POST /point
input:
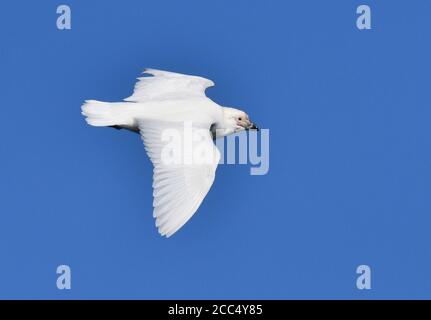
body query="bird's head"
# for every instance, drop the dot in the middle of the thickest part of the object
(235, 120)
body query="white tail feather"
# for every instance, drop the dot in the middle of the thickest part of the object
(101, 114)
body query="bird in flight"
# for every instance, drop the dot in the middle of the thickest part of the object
(171, 110)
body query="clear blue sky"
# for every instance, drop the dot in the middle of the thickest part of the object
(350, 178)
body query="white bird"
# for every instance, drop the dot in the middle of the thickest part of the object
(164, 101)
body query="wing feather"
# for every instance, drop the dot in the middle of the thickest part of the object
(179, 188)
(168, 85)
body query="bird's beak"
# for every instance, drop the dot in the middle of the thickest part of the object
(253, 126)
(247, 125)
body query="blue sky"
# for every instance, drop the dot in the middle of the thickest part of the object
(349, 180)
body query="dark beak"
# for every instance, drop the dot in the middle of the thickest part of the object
(253, 127)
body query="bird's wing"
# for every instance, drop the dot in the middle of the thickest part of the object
(180, 186)
(168, 85)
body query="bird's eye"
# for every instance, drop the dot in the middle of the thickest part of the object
(239, 118)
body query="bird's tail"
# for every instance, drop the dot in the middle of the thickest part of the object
(101, 114)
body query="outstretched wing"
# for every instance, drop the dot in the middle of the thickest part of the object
(168, 85)
(185, 160)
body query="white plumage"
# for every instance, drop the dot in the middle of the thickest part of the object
(165, 101)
